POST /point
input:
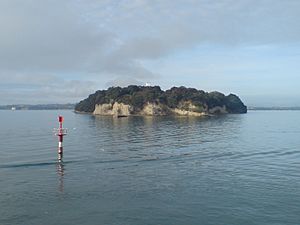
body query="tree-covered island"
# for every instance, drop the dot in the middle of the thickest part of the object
(146, 100)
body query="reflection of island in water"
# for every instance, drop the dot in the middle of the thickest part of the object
(60, 171)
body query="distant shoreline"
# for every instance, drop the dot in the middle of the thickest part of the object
(275, 108)
(68, 106)
(34, 109)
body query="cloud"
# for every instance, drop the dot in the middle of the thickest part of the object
(47, 36)
(123, 82)
(110, 40)
(43, 88)
(60, 36)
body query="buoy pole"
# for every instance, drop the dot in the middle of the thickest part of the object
(60, 133)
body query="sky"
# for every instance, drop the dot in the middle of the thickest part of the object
(55, 51)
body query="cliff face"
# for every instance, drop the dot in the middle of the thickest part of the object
(152, 109)
(115, 109)
(120, 109)
(187, 108)
(152, 101)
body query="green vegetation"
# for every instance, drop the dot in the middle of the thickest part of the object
(176, 97)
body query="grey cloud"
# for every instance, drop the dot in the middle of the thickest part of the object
(25, 79)
(123, 82)
(153, 29)
(27, 88)
(46, 36)
(112, 39)
(42, 96)
(121, 66)
(69, 88)
(60, 36)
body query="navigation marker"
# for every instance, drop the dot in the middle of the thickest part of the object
(60, 132)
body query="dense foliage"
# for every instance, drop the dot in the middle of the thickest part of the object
(138, 96)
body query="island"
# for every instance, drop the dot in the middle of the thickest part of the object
(152, 101)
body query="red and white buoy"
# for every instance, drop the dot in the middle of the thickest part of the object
(60, 132)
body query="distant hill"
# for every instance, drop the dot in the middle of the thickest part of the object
(37, 107)
(144, 100)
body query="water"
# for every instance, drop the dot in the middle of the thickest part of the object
(227, 170)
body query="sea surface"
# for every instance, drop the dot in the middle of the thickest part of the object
(223, 170)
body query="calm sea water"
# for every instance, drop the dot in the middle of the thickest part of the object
(227, 170)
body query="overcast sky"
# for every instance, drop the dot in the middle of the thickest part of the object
(54, 51)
